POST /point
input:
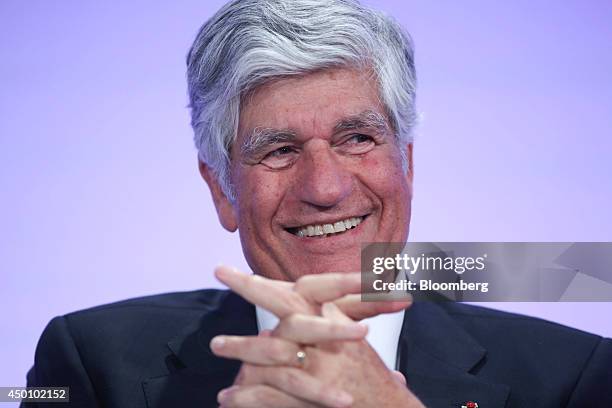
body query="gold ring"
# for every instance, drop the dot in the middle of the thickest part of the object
(300, 356)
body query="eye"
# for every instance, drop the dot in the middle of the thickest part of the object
(360, 139)
(357, 144)
(280, 151)
(280, 158)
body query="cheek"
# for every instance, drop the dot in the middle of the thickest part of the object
(258, 196)
(384, 175)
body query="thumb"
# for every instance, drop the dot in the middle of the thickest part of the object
(399, 377)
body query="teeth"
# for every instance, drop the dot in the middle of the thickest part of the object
(325, 229)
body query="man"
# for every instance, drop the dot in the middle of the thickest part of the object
(303, 112)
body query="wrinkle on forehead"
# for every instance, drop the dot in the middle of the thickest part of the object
(286, 109)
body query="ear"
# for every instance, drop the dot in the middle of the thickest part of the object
(225, 209)
(410, 171)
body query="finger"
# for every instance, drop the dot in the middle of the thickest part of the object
(332, 312)
(282, 348)
(257, 396)
(356, 309)
(256, 350)
(297, 383)
(321, 288)
(399, 377)
(308, 329)
(272, 295)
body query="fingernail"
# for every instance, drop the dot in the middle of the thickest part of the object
(217, 342)
(224, 394)
(343, 399)
(357, 329)
(220, 270)
(226, 271)
(265, 333)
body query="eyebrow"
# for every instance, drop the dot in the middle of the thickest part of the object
(363, 120)
(261, 137)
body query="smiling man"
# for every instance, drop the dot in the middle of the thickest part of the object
(303, 112)
(317, 169)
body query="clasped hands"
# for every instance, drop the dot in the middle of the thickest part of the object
(317, 355)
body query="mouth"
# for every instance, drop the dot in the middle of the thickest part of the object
(325, 230)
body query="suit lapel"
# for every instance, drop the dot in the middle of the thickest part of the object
(435, 354)
(195, 374)
(438, 358)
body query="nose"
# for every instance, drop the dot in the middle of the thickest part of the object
(323, 180)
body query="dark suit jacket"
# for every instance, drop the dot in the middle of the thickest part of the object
(153, 352)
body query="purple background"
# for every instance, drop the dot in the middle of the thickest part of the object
(101, 198)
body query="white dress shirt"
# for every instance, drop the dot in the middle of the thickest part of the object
(383, 334)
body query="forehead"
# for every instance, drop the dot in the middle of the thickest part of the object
(311, 104)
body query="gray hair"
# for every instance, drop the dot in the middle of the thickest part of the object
(250, 42)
